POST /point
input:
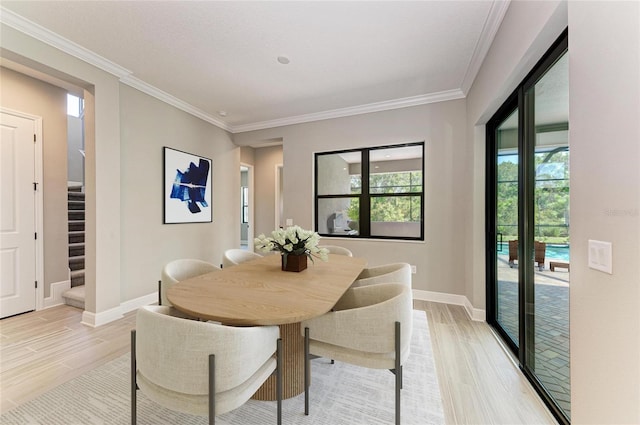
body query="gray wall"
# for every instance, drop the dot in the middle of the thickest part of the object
(25, 94)
(147, 125)
(442, 126)
(604, 65)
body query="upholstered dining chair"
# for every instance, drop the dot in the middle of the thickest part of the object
(370, 326)
(200, 368)
(388, 273)
(177, 270)
(236, 256)
(335, 249)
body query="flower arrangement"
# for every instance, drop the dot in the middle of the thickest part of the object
(293, 240)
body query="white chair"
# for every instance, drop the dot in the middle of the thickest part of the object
(370, 326)
(335, 249)
(388, 273)
(177, 270)
(234, 257)
(200, 368)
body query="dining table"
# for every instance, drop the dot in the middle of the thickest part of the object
(259, 293)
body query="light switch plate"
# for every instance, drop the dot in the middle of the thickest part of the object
(600, 256)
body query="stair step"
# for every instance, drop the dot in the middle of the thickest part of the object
(76, 225)
(76, 263)
(75, 296)
(75, 205)
(75, 196)
(76, 215)
(76, 237)
(77, 278)
(76, 249)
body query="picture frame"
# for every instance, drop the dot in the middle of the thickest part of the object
(187, 192)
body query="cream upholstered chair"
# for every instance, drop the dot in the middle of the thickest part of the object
(370, 326)
(335, 249)
(388, 273)
(200, 368)
(177, 270)
(236, 256)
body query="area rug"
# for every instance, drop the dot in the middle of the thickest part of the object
(340, 394)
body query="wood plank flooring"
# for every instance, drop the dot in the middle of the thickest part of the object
(478, 381)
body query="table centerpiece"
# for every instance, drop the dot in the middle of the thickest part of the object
(295, 245)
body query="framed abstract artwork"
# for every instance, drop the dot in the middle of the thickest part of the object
(187, 188)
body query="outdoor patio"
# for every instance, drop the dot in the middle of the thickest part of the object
(551, 324)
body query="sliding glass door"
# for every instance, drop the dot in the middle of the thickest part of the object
(528, 261)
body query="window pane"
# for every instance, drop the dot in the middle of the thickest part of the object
(339, 174)
(396, 170)
(395, 216)
(338, 216)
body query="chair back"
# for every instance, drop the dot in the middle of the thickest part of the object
(178, 270)
(335, 249)
(172, 352)
(388, 273)
(374, 310)
(236, 256)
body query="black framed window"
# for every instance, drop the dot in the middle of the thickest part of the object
(375, 192)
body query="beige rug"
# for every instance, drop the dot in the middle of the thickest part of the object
(340, 394)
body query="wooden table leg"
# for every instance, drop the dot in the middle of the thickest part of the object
(292, 366)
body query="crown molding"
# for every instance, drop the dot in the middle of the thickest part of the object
(489, 30)
(165, 97)
(49, 37)
(355, 110)
(44, 35)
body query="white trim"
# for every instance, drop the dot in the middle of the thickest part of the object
(492, 23)
(136, 303)
(354, 110)
(49, 37)
(56, 291)
(250, 182)
(98, 319)
(165, 97)
(491, 26)
(279, 221)
(475, 314)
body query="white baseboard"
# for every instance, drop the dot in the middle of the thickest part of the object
(98, 319)
(104, 317)
(136, 303)
(55, 293)
(442, 297)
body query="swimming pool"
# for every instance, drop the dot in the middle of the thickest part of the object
(556, 251)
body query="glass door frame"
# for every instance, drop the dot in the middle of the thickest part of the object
(522, 100)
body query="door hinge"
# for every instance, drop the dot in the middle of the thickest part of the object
(36, 284)
(34, 138)
(35, 186)
(35, 235)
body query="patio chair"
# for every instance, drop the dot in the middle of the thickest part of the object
(539, 254)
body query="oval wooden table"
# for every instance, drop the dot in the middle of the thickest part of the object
(258, 292)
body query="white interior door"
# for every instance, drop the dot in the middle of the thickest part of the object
(17, 220)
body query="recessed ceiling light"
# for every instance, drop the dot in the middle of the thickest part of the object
(283, 60)
(222, 113)
(387, 156)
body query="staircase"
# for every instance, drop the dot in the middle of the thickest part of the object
(75, 296)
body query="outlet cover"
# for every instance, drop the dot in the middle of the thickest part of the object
(600, 256)
(413, 269)
(289, 222)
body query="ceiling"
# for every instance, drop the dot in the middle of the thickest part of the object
(218, 60)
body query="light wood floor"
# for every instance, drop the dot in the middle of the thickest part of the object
(478, 381)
